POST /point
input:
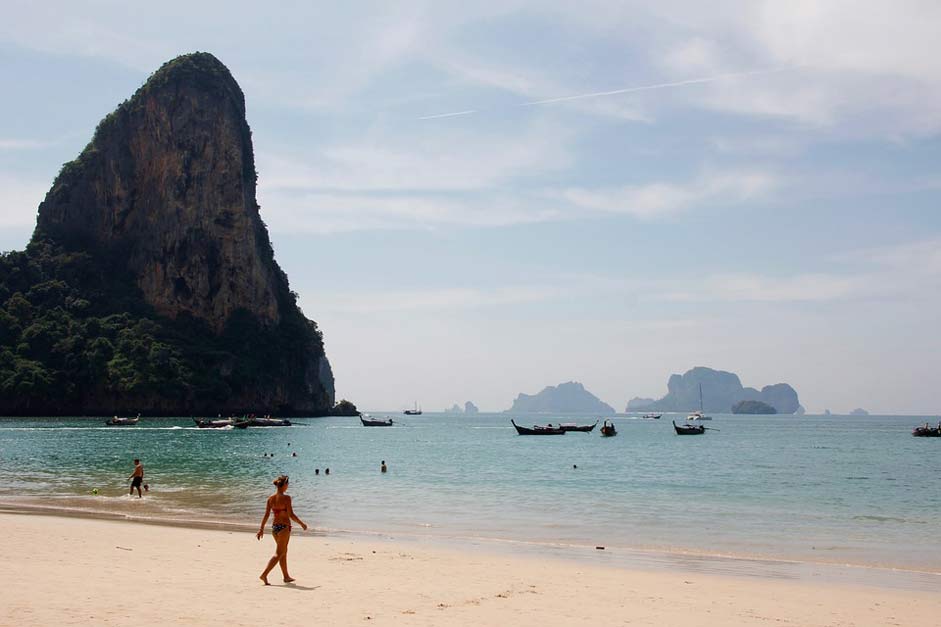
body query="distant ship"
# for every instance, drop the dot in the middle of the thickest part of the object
(413, 412)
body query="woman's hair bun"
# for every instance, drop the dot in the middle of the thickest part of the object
(280, 481)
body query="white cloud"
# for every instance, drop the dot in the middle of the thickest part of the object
(448, 160)
(19, 200)
(314, 212)
(434, 299)
(656, 200)
(23, 144)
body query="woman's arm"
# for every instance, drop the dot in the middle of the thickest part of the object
(261, 530)
(294, 516)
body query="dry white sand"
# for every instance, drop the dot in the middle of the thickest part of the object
(67, 571)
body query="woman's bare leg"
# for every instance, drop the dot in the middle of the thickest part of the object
(276, 557)
(284, 556)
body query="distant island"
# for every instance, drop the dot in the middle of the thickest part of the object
(150, 284)
(571, 397)
(469, 409)
(859, 411)
(638, 404)
(753, 407)
(721, 390)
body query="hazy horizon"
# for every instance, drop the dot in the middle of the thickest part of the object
(478, 201)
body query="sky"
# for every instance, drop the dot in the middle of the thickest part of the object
(475, 200)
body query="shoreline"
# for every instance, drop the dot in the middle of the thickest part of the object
(67, 570)
(622, 558)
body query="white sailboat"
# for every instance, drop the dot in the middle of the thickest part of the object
(699, 415)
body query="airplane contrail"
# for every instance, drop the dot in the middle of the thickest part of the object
(448, 115)
(625, 90)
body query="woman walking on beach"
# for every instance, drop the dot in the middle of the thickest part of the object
(279, 503)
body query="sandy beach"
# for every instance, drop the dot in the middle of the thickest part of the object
(65, 571)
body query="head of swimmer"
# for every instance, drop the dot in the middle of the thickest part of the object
(281, 483)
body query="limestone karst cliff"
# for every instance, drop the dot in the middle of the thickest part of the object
(150, 282)
(720, 391)
(570, 397)
(170, 178)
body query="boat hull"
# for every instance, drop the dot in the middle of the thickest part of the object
(538, 430)
(579, 428)
(376, 423)
(213, 424)
(262, 422)
(688, 430)
(930, 432)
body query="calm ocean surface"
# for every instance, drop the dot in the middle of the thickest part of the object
(829, 489)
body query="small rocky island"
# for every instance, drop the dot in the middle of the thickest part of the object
(565, 398)
(721, 390)
(469, 409)
(150, 284)
(639, 404)
(753, 407)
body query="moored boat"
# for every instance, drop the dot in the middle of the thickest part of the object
(261, 422)
(538, 430)
(652, 416)
(927, 431)
(215, 424)
(688, 429)
(413, 412)
(371, 422)
(571, 426)
(699, 415)
(123, 422)
(608, 430)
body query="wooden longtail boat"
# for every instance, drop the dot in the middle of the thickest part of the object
(608, 430)
(688, 429)
(122, 422)
(214, 424)
(927, 432)
(369, 422)
(262, 422)
(537, 430)
(571, 426)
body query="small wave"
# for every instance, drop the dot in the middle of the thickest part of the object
(874, 518)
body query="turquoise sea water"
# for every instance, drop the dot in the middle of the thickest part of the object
(829, 489)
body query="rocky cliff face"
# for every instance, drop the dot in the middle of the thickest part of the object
(170, 178)
(720, 391)
(163, 198)
(571, 397)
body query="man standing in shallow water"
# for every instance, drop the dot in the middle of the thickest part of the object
(137, 478)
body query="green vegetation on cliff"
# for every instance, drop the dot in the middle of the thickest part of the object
(76, 336)
(753, 407)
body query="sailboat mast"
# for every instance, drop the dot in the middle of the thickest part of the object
(700, 397)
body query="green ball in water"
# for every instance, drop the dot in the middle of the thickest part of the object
(95, 491)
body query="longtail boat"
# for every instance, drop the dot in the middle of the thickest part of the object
(370, 422)
(214, 424)
(927, 432)
(262, 422)
(608, 430)
(689, 429)
(122, 422)
(571, 426)
(538, 430)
